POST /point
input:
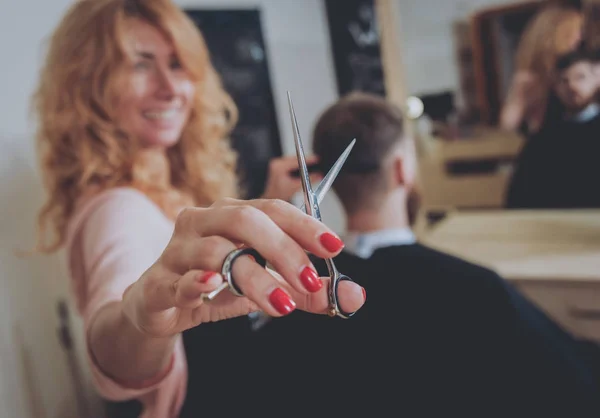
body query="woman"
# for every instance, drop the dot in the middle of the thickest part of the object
(554, 30)
(132, 129)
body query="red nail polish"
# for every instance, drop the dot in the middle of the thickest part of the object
(364, 293)
(205, 277)
(331, 242)
(281, 301)
(310, 279)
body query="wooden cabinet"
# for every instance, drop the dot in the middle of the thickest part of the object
(553, 257)
(574, 306)
(470, 173)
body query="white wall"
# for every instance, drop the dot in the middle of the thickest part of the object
(33, 368)
(34, 377)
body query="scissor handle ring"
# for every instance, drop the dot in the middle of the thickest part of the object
(336, 309)
(228, 266)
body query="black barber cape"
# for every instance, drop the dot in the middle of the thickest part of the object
(559, 167)
(437, 337)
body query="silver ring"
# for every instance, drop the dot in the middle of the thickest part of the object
(228, 266)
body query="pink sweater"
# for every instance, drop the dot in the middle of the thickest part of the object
(112, 239)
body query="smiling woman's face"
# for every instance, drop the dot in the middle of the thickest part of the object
(156, 104)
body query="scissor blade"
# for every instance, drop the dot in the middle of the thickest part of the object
(328, 180)
(304, 177)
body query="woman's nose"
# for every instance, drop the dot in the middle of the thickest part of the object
(167, 84)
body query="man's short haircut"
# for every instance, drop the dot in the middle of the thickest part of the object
(566, 61)
(378, 126)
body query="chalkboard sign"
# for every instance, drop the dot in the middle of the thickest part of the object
(355, 44)
(235, 41)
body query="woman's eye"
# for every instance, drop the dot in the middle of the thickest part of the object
(141, 65)
(176, 65)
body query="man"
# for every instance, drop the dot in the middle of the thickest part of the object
(558, 167)
(439, 336)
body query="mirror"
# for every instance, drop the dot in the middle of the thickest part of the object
(459, 59)
(446, 64)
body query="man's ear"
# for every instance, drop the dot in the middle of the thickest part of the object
(404, 165)
(596, 70)
(399, 169)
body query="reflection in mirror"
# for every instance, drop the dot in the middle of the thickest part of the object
(484, 72)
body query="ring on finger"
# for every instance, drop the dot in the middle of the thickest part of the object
(228, 267)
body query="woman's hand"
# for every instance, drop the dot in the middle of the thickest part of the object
(524, 83)
(525, 92)
(166, 300)
(281, 184)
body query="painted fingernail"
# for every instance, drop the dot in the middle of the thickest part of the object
(331, 242)
(282, 302)
(310, 279)
(205, 277)
(364, 293)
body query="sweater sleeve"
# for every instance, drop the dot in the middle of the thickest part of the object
(113, 239)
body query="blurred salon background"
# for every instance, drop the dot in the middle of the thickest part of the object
(461, 70)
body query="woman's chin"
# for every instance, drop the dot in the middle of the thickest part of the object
(165, 140)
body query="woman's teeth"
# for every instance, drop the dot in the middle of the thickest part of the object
(165, 114)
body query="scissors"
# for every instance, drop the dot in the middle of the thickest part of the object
(310, 207)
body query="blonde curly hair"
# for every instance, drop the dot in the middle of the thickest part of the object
(82, 148)
(547, 36)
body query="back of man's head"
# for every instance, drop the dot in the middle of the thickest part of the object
(377, 126)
